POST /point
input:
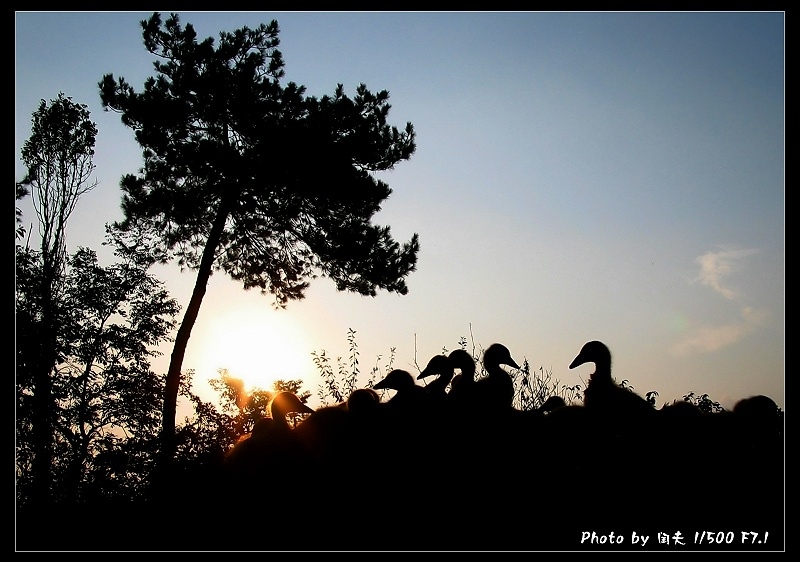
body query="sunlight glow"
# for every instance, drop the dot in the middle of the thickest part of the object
(257, 346)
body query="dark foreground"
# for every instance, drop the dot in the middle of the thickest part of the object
(558, 484)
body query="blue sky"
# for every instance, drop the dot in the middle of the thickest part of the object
(604, 175)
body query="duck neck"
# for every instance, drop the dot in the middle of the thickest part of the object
(439, 384)
(602, 372)
(279, 419)
(495, 370)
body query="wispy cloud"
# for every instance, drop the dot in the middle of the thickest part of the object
(715, 267)
(705, 339)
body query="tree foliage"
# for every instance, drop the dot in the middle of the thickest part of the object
(58, 157)
(106, 399)
(289, 177)
(245, 175)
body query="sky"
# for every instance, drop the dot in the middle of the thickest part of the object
(613, 176)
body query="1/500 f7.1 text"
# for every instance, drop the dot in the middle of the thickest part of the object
(722, 537)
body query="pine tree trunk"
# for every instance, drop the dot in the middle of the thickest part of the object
(163, 475)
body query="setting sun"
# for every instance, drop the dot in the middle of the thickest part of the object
(258, 346)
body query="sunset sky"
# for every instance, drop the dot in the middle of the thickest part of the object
(617, 176)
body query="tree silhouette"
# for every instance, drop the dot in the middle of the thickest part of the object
(58, 157)
(255, 179)
(105, 397)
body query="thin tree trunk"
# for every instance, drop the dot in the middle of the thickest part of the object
(43, 404)
(42, 429)
(172, 384)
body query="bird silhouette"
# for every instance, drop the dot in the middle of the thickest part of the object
(409, 397)
(496, 389)
(441, 368)
(363, 402)
(486, 431)
(405, 422)
(327, 435)
(552, 404)
(271, 448)
(602, 393)
(760, 417)
(285, 403)
(462, 385)
(617, 424)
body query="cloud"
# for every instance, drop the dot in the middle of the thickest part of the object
(714, 266)
(705, 339)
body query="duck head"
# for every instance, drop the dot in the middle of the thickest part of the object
(285, 403)
(461, 359)
(594, 352)
(438, 365)
(363, 400)
(498, 354)
(397, 379)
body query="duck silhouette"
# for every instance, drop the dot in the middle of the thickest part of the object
(272, 449)
(496, 389)
(603, 394)
(409, 397)
(617, 425)
(462, 386)
(441, 368)
(404, 422)
(552, 404)
(285, 403)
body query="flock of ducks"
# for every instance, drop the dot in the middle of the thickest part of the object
(453, 462)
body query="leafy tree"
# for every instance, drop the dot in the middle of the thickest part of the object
(21, 193)
(58, 157)
(243, 407)
(244, 175)
(111, 321)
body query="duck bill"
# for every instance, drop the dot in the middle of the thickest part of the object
(579, 360)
